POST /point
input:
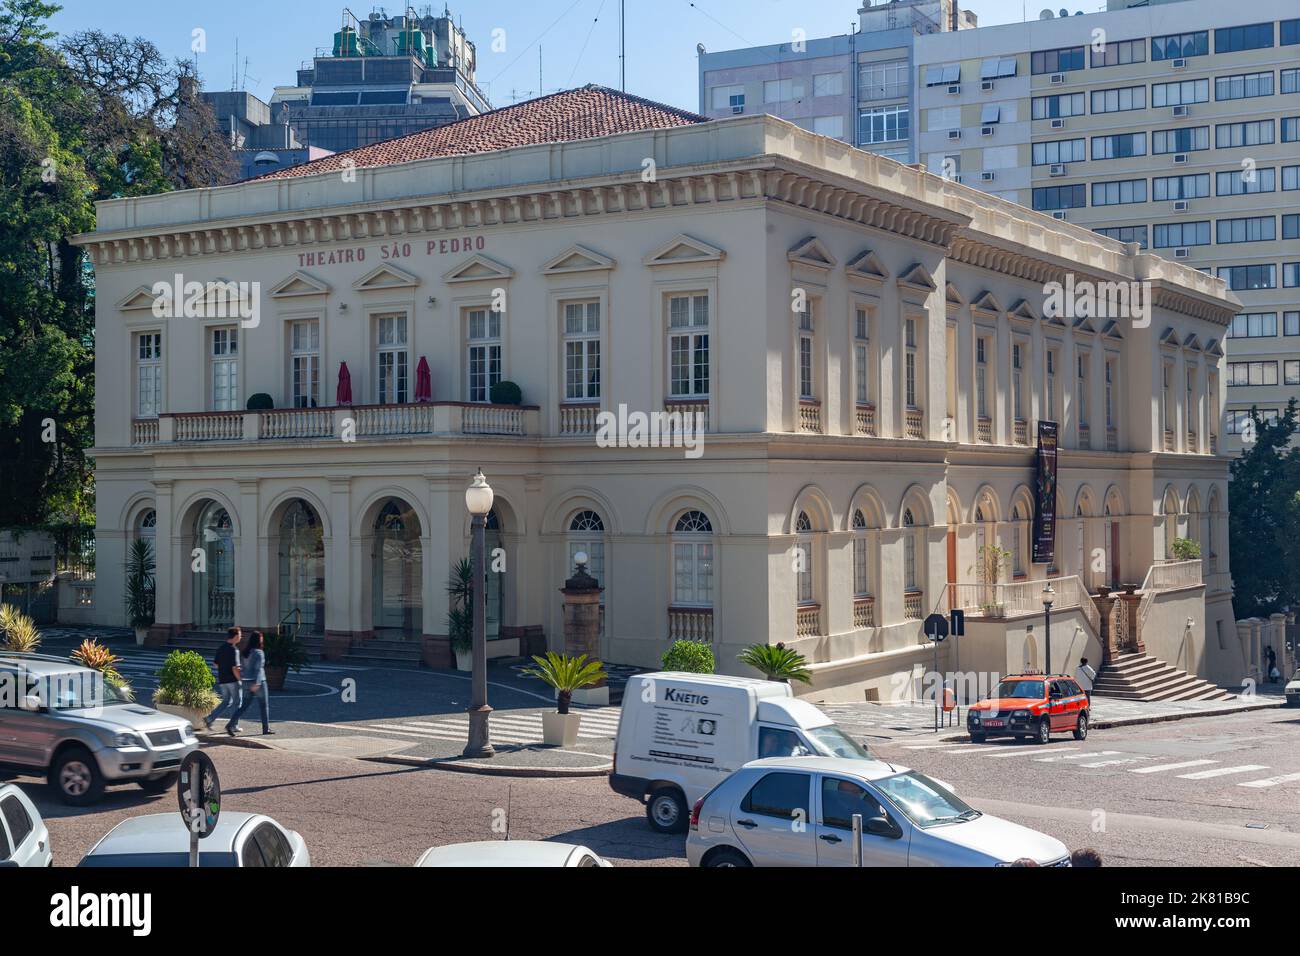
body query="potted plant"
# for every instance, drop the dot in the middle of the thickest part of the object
(1185, 549)
(284, 653)
(566, 674)
(185, 687)
(259, 402)
(97, 657)
(18, 631)
(691, 657)
(140, 568)
(506, 393)
(460, 615)
(993, 561)
(777, 662)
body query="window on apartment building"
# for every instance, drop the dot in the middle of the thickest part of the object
(1291, 323)
(688, 345)
(1177, 46)
(943, 74)
(862, 357)
(1017, 383)
(1000, 157)
(804, 565)
(1061, 197)
(581, 351)
(1253, 325)
(728, 98)
(1119, 53)
(1290, 275)
(148, 374)
(1251, 373)
(1290, 129)
(783, 91)
(1119, 146)
(1136, 234)
(1230, 135)
(1263, 276)
(1120, 192)
(1256, 36)
(807, 353)
(1288, 32)
(1249, 229)
(1238, 182)
(693, 560)
(997, 68)
(391, 360)
(861, 568)
(884, 81)
(1180, 93)
(304, 363)
(910, 371)
(832, 126)
(1056, 61)
(1289, 81)
(1081, 390)
(990, 113)
(1291, 372)
(1059, 151)
(1187, 140)
(1059, 106)
(828, 84)
(981, 377)
(483, 342)
(223, 368)
(1243, 86)
(1290, 177)
(1237, 418)
(1120, 100)
(943, 118)
(1191, 186)
(884, 124)
(1169, 235)
(1291, 226)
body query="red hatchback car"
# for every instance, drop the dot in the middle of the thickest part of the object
(1030, 706)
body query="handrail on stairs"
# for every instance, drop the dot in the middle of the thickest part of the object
(296, 614)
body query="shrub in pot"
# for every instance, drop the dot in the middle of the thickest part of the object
(691, 657)
(566, 674)
(506, 393)
(140, 569)
(284, 653)
(777, 662)
(260, 401)
(185, 687)
(18, 631)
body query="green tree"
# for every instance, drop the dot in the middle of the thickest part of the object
(777, 662)
(1264, 518)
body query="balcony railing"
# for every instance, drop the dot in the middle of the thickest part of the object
(1169, 439)
(984, 428)
(296, 423)
(864, 612)
(1165, 575)
(1085, 437)
(578, 419)
(1023, 597)
(1192, 447)
(144, 431)
(689, 406)
(208, 426)
(1112, 439)
(915, 420)
(1020, 431)
(810, 416)
(690, 624)
(387, 420)
(866, 420)
(808, 620)
(1214, 444)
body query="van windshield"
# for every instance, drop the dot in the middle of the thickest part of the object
(833, 742)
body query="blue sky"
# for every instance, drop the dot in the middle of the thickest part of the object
(578, 38)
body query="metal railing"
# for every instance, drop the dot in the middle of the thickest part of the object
(1024, 597)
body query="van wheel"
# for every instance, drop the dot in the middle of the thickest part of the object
(75, 777)
(160, 785)
(727, 857)
(1081, 728)
(666, 811)
(1043, 734)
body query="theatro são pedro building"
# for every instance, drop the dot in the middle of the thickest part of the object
(776, 388)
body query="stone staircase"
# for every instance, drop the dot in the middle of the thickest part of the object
(384, 653)
(1147, 678)
(207, 642)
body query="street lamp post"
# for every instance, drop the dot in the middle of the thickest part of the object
(1048, 597)
(478, 500)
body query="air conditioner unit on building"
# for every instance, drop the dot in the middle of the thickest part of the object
(1178, 64)
(987, 177)
(1180, 159)
(1182, 205)
(1057, 79)
(986, 130)
(1058, 124)
(1181, 253)
(1059, 214)
(1056, 169)
(986, 85)
(1181, 111)
(954, 134)
(954, 89)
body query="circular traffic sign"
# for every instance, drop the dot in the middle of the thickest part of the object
(936, 627)
(199, 792)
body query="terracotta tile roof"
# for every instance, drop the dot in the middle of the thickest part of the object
(585, 113)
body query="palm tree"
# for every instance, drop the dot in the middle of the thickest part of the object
(566, 674)
(777, 662)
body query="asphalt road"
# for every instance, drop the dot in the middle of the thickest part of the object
(1117, 792)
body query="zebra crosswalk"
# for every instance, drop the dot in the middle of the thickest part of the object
(511, 727)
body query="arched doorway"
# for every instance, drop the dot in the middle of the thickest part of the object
(397, 572)
(301, 567)
(214, 578)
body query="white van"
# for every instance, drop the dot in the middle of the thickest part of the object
(680, 735)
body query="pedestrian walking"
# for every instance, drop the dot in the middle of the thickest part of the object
(1273, 672)
(1085, 675)
(254, 682)
(227, 661)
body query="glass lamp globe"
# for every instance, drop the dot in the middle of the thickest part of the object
(1048, 596)
(478, 496)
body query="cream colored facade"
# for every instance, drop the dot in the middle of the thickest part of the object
(809, 450)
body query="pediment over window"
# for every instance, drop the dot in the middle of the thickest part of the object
(577, 258)
(1083, 326)
(987, 302)
(298, 284)
(1111, 330)
(867, 265)
(479, 268)
(1169, 337)
(810, 251)
(683, 249)
(384, 278)
(1212, 348)
(140, 299)
(953, 295)
(918, 277)
(1021, 309)
(1192, 343)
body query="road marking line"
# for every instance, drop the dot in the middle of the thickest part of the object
(924, 746)
(1271, 781)
(444, 735)
(1111, 763)
(1222, 771)
(1079, 756)
(1172, 766)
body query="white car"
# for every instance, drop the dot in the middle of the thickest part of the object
(798, 811)
(510, 853)
(162, 840)
(1293, 690)
(24, 841)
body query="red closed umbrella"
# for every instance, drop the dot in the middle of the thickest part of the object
(423, 381)
(344, 396)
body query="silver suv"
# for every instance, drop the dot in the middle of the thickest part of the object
(64, 722)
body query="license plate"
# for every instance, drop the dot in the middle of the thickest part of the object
(992, 723)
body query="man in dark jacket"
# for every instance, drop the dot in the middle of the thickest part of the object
(227, 661)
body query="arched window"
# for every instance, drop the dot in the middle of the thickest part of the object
(909, 551)
(396, 577)
(986, 561)
(804, 560)
(1018, 525)
(214, 590)
(146, 526)
(302, 565)
(693, 560)
(587, 533)
(861, 569)
(1171, 522)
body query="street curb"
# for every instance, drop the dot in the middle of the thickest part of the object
(1158, 718)
(229, 741)
(487, 770)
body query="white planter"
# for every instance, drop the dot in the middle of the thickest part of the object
(140, 634)
(195, 717)
(464, 660)
(560, 730)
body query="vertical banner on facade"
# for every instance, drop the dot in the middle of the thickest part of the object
(1045, 495)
